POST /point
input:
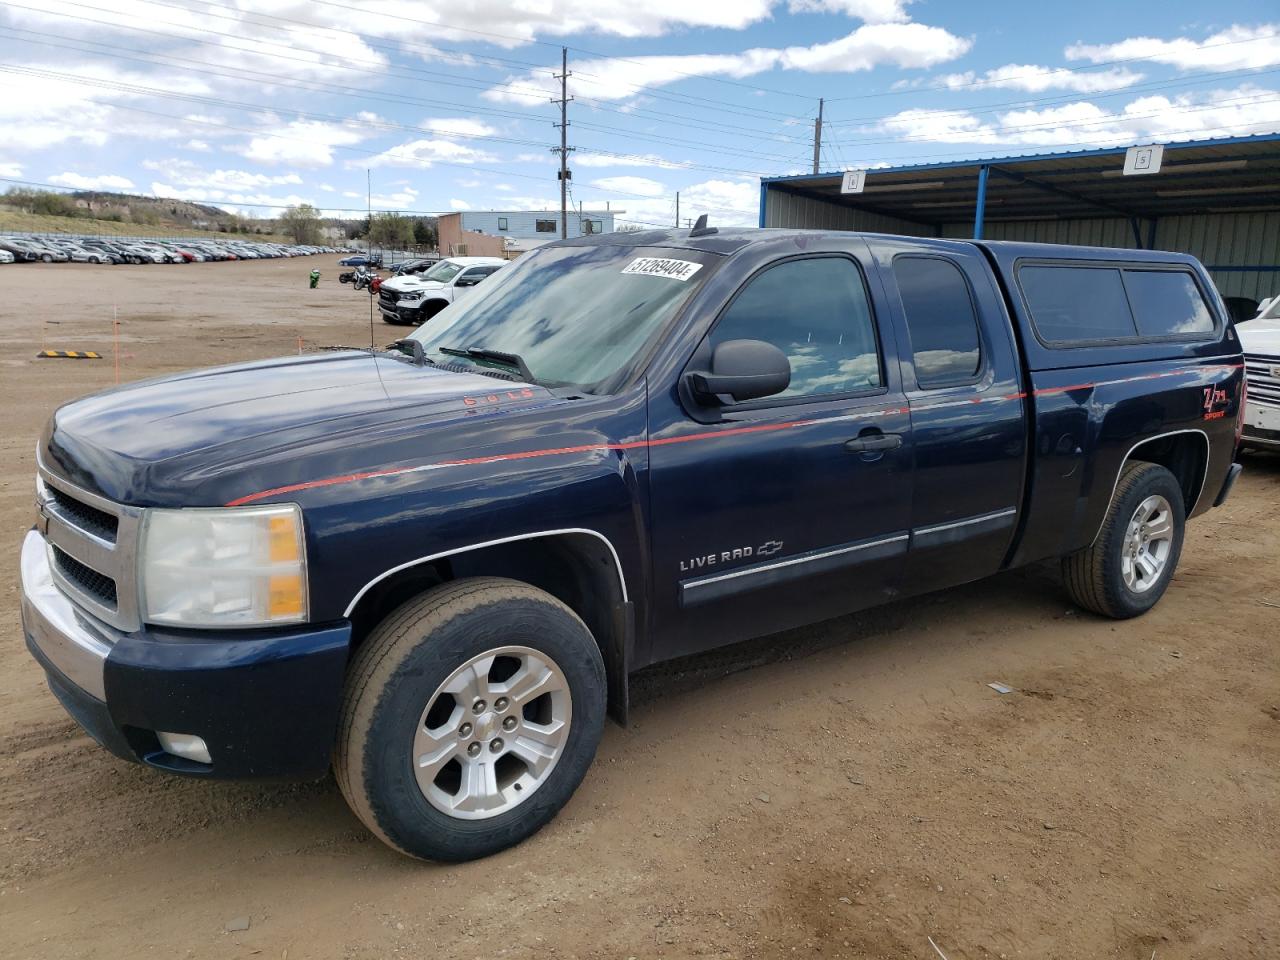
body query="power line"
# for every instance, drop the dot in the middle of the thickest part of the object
(200, 66)
(612, 129)
(335, 119)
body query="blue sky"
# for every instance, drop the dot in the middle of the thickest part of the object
(261, 103)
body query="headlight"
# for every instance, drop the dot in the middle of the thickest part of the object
(412, 295)
(225, 567)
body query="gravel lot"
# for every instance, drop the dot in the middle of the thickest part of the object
(849, 790)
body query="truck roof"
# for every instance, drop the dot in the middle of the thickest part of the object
(728, 240)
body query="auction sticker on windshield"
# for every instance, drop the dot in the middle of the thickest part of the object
(663, 267)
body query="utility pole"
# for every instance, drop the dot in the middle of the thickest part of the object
(677, 209)
(564, 148)
(817, 139)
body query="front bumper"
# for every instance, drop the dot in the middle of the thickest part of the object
(1259, 436)
(264, 701)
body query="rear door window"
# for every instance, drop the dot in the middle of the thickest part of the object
(941, 320)
(1167, 303)
(1077, 304)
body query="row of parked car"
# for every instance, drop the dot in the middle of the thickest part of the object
(30, 249)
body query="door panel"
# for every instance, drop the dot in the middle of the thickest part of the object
(791, 510)
(964, 388)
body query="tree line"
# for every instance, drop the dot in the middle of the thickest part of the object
(303, 223)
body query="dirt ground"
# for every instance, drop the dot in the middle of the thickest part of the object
(849, 790)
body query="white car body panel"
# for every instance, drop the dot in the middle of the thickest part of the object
(1260, 341)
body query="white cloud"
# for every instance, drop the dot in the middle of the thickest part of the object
(459, 205)
(460, 127)
(11, 170)
(1036, 79)
(636, 185)
(1244, 110)
(907, 45)
(80, 182)
(523, 22)
(423, 153)
(326, 188)
(1235, 48)
(402, 199)
(872, 11)
(48, 104)
(873, 45)
(190, 175)
(301, 143)
(197, 146)
(504, 187)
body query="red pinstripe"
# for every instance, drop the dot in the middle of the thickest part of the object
(684, 438)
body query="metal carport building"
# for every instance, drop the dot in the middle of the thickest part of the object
(1216, 199)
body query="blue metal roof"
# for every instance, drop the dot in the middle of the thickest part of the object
(1034, 157)
(1196, 176)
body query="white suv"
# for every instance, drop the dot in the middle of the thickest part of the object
(1260, 341)
(415, 299)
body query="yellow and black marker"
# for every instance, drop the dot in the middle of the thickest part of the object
(68, 355)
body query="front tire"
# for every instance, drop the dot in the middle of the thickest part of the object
(470, 716)
(1127, 568)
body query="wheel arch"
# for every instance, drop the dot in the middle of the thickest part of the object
(1184, 453)
(578, 566)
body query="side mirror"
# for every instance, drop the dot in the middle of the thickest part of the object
(467, 281)
(742, 370)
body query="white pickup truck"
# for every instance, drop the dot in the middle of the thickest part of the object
(1260, 341)
(417, 298)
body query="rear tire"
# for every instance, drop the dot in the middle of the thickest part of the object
(470, 716)
(1127, 568)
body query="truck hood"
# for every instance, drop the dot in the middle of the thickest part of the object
(1260, 337)
(405, 284)
(185, 437)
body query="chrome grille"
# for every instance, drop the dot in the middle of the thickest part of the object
(93, 544)
(103, 525)
(1263, 376)
(102, 588)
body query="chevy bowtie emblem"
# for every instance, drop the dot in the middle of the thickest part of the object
(769, 549)
(1275, 372)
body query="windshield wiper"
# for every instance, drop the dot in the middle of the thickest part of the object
(415, 350)
(497, 356)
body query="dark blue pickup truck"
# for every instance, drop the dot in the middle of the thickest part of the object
(434, 567)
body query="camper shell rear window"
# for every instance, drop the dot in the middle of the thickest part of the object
(1076, 303)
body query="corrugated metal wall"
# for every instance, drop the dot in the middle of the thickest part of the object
(1085, 233)
(1230, 240)
(1217, 240)
(791, 210)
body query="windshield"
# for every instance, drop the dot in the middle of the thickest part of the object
(575, 316)
(444, 271)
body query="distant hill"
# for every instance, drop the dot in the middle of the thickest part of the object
(136, 209)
